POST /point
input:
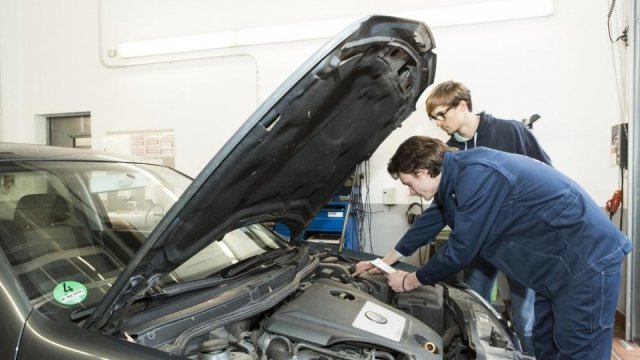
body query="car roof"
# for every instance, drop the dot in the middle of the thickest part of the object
(17, 152)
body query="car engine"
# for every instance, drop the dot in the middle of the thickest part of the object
(327, 320)
(332, 315)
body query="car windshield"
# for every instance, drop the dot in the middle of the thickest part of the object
(68, 229)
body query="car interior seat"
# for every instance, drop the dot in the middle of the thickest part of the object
(11, 239)
(54, 239)
(41, 217)
(41, 210)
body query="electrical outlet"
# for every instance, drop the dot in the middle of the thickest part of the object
(389, 196)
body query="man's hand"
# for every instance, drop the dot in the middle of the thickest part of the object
(391, 258)
(401, 281)
(365, 266)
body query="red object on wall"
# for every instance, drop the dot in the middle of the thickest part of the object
(614, 202)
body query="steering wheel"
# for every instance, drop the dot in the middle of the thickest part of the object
(153, 215)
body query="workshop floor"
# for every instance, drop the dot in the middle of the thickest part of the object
(623, 350)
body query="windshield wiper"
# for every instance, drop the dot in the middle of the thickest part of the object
(261, 260)
(258, 260)
(252, 266)
(194, 285)
(81, 314)
(171, 290)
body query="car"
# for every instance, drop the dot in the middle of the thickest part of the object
(110, 257)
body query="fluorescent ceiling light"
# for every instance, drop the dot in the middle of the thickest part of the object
(483, 12)
(292, 32)
(177, 44)
(480, 12)
(226, 39)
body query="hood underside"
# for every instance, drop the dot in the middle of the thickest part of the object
(289, 157)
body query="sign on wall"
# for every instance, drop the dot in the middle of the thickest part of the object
(154, 145)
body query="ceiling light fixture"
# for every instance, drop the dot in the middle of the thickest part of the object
(487, 11)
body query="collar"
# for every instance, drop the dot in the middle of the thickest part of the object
(448, 172)
(485, 120)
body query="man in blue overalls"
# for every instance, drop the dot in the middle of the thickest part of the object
(450, 107)
(532, 223)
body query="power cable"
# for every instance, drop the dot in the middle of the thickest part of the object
(367, 204)
(358, 211)
(624, 35)
(621, 198)
(615, 17)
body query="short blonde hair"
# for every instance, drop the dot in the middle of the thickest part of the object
(448, 93)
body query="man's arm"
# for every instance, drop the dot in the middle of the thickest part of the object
(480, 193)
(422, 231)
(390, 258)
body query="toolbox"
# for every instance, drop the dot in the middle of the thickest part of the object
(329, 221)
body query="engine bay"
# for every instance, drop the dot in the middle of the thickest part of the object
(328, 314)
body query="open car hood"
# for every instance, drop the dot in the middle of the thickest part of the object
(289, 157)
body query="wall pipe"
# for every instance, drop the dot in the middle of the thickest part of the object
(632, 323)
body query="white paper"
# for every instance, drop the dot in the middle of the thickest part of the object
(391, 326)
(382, 266)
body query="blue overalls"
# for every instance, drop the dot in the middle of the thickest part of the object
(540, 228)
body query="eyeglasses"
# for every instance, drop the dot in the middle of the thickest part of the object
(440, 116)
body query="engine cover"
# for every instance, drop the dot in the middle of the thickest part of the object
(327, 315)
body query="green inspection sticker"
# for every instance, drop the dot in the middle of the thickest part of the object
(70, 293)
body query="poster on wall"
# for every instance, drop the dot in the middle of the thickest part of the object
(154, 145)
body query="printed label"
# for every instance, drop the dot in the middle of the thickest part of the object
(70, 293)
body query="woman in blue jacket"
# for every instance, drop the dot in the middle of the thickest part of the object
(532, 223)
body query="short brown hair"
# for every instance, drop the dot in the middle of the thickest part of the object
(448, 93)
(418, 153)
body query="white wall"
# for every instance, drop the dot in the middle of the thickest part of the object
(52, 60)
